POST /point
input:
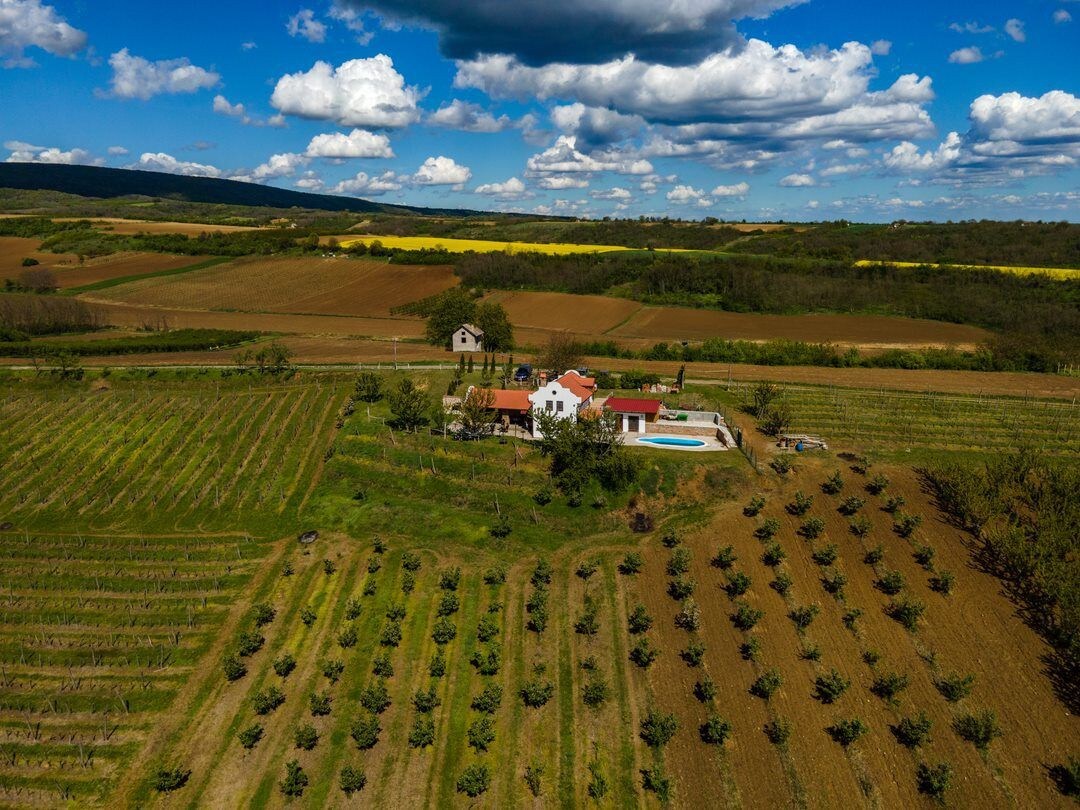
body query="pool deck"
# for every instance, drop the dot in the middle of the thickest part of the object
(709, 444)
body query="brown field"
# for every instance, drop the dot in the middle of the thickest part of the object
(133, 226)
(308, 285)
(671, 323)
(13, 249)
(118, 265)
(555, 312)
(975, 630)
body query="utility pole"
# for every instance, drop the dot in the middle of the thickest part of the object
(395, 353)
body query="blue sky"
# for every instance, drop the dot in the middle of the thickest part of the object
(755, 109)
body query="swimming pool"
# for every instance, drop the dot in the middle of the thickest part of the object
(670, 441)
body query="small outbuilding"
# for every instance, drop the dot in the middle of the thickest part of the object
(634, 414)
(468, 339)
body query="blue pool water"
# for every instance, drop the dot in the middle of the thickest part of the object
(672, 442)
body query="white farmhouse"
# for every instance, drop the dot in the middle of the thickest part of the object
(564, 398)
(468, 339)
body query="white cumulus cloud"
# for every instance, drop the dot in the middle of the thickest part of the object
(358, 93)
(967, 56)
(1015, 29)
(468, 117)
(222, 106)
(360, 143)
(442, 171)
(136, 77)
(737, 190)
(28, 23)
(303, 24)
(370, 186)
(1062, 16)
(511, 189)
(163, 162)
(22, 152)
(797, 181)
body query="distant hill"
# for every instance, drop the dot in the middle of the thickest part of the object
(100, 182)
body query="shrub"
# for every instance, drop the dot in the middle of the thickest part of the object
(481, 733)
(1067, 777)
(496, 575)
(768, 529)
(474, 780)
(860, 526)
(773, 555)
(426, 702)
(449, 579)
(233, 667)
(655, 781)
(693, 653)
(803, 616)
(169, 779)
(933, 780)
(955, 687)
(306, 737)
(745, 617)
(766, 684)
(249, 642)
(833, 484)
(812, 528)
(912, 732)
(347, 636)
(449, 604)
(671, 538)
(871, 657)
(680, 588)
(850, 505)
(924, 556)
(542, 574)
(705, 689)
(328, 567)
(826, 555)
(801, 505)
(295, 780)
(488, 660)
(757, 503)
(353, 780)
(905, 524)
(369, 587)
(365, 731)
(332, 669)
(643, 653)
(850, 617)
(737, 584)
(489, 699)
(587, 569)
(308, 616)
(715, 730)
(595, 692)
(657, 728)
(891, 582)
(382, 666)
(833, 581)
(782, 465)
(829, 687)
(778, 731)
(895, 504)
(980, 729)
(782, 583)
(353, 608)
(375, 697)
(874, 555)
(263, 614)
(536, 692)
(639, 620)
(888, 685)
(724, 558)
(750, 649)
(679, 562)
(907, 612)
(588, 663)
(598, 784)
(689, 616)
(533, 776)
(266, 700)
(588, 623)
(846, 732)
(877, 484)
(810, 652)
(943, 582)
(320, 703)
(487, 628)
(632, 563)
(444, 631)
(250, 736)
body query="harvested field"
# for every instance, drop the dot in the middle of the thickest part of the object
(13, 249)
(118, 265)
(308, 285)
(583, 315)
(133, 226)
(672, 323)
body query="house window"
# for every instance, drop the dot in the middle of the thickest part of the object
(463, 337)
(550, 406)
(559, 407)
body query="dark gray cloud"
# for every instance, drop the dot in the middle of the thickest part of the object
(539, 32)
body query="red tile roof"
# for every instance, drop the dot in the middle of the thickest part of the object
(631, 405)
(575, 387)
(511, 400)
(573, 376)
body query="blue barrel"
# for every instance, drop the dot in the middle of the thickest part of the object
(799, 447)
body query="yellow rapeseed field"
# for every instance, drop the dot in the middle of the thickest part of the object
(1053, 272)
(479, 245)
